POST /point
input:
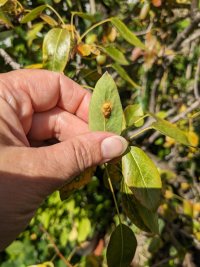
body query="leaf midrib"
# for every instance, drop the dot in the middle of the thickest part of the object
(56, 48)
(142, 178)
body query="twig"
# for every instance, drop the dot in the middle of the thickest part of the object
(67, 263)
(145, 31)
(92, 7)
(194, 7)
(183, 35)
(8, 60)
(182, 115)
(191, 38)
(152, 102)
(196, 80)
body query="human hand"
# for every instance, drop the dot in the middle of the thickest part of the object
(37, 105)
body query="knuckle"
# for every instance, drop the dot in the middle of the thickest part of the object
(82, 154)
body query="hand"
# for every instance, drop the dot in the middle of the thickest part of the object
(36, 105)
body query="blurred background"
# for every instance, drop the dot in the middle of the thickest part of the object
(163, 79)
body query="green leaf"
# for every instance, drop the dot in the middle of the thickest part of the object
(56, 48)
(131, 212)
(86, 16)
(143, 218)
(105, 112)
(32, 33)
(49, 20)
(5, 20)
(171, 130)
(121, 247)
(3, 2)
(84, 229)
(132, 114)
(142, 177)
(128, 35)
(33, 14)
(121, 71)
(115, 54)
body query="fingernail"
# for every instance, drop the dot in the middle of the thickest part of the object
(113, 147)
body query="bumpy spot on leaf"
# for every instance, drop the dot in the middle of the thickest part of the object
(106, 109)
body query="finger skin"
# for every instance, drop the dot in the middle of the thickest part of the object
(56, 123)
(29, 91)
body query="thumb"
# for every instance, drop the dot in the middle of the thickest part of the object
(67, 159)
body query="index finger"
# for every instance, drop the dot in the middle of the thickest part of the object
(48, 89)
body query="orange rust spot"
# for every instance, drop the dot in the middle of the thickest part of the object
(106, 109)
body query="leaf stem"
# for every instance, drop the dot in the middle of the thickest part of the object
(140, 132)
(113, 193)
(71, 22)
(91, 28)
(52, 9)
(141, 118)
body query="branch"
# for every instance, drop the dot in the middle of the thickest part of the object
(67, 263)
(8, 60)
(194, 7)
(196, 80)
(191, 38)
(152, 102)
(183, 35)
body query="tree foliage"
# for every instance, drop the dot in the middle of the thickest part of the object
(150, 51)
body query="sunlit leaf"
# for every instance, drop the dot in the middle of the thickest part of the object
(84, 229)
(34, 66)
(115, 54)
(121, 71)
(33, 14)
(32, 33)
(132, 114)
(142, 177)
(45, 264)
(121, 247)
(56, 48)
(49, 20)
(3, 2)
(5, 20)
(84, 49)
(76, 183)
(128, 35)
(171, 130)
(105, 112)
